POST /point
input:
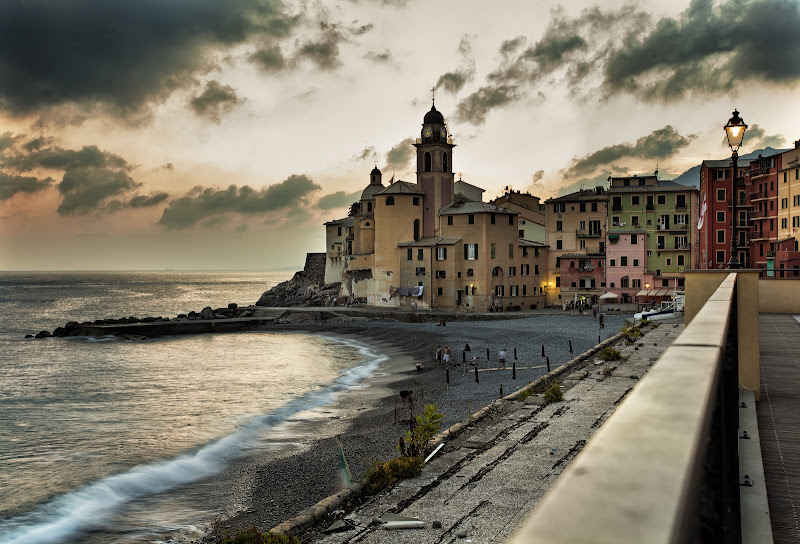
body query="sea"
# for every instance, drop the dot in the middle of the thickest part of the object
(98, 436)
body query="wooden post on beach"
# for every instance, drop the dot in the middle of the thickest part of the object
(488, 357)
(515, 352)
(514, 369)
(501, 389)
(548, 364)
(447, 375)
(598, 338)
(570, 346)
(542, 350)
(476, 374)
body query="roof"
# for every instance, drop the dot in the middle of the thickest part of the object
(375, 171)
(471, 186)
(584, 194)
(431, 241)
(469, 207)
(401, 187)
(530, 243)
(724, 163)
(370, 190)
(433, 117)
(345, 222)
(664, 185)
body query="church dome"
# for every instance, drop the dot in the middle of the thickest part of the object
(375, 171)
(370, 190)
(434, 117)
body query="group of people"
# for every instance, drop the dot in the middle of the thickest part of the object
(443, 355)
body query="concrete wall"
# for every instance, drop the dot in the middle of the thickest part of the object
(776, 296)
(700, 285)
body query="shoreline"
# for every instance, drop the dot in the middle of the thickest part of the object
(271, 489)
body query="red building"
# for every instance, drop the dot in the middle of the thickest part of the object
(761, 181)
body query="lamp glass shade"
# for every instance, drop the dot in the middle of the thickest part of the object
(734, 130)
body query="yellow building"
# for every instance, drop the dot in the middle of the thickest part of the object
(434, 243)
(789, 194)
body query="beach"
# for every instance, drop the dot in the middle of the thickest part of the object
(271, 487)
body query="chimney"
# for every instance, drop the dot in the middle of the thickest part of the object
(797, 144)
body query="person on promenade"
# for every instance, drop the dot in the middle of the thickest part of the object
(594, 312)
(439, 354)
(467, 348)
(602, 323)
(447, 353)
(502, 355)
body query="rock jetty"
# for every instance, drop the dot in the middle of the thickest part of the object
(301, 290)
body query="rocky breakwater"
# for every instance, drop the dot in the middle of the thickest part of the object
(146, 326)
(301, 290)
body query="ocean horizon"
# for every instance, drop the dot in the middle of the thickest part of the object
(98, 436)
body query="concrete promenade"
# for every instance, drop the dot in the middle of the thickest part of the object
(779, 422)
(485, 481)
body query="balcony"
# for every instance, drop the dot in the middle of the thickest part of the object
(770, 254)
(745, 224)
(587, 234)
(680, 206)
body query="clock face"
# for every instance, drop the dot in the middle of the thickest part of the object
(427, 132)
(443, 132)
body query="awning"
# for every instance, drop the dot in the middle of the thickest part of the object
(642, 293)
(609, 295)
(613, 237)
(662, 293)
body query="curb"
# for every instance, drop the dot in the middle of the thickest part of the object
(319, 511)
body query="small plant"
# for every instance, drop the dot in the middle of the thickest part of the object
(382, 475)
(608, 370)
(254, 536)
(524, 395)
(428, 425)
(631, 333)
(553, 394)
(585, 374)
(610, 354)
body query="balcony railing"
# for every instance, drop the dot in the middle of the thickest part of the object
(665, 466)
(770, 254)
(587, 234)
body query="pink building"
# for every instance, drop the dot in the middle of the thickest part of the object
(626, 270)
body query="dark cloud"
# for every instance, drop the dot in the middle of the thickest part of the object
(512, 45)
(549, 53)
(11, 185)
(756, 137)
(87, 189)
(269, 58)
(659, 144)
(123, 54)
(474, 108)
(323, 50)
(452, 82)
(399, 157)
(537, 176)
(339, 199)
(215, 101)
(710, 49)
(363, 29)
(600, 180)
(7, 139)
(379, 58)
(141, 201)
(367, 153)
(58, 158)
(201, 204)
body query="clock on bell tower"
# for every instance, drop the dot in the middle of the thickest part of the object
(434, 168)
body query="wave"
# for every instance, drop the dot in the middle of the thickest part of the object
(91, 506)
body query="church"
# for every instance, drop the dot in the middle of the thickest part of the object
(434, 243)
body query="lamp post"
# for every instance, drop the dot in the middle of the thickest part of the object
(734, 130)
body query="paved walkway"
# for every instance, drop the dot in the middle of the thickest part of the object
(484, 483)
(779, 422)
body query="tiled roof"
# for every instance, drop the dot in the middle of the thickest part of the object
(585, 195)
(401, 187)
(530, 243)
(345, 221)
(431, 241)
(664, 185)
(468, 207)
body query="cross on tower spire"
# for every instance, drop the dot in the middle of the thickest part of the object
(433, 95)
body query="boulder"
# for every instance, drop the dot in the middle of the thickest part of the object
(301, 290)
(233, 306)
(28, 336)
(207, 313)
(43, 334)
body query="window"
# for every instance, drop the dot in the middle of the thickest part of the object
(416, 229)
(510, 251)
(720, 236)
(616, 203)
(558, 281)
(582, 206)
(664, 283)
(441, 273)
(661, 242)
(559, 244)
(681, 219)
(784, 203)
(449, 219)
(514, 290)
(594, 206)
(572, 264)
(615, 221)
(536, 269)
(784, 223)
(636, 283)
(720, 195)
(512, 270)
(493, 219)
(369, 207)
(470, 272)
(491, 251)
(415, 201)
(471, 219)
(623, 261)
(720, 256)
(720, 217)
(583, 244)
(634, 239)
(499, 290)
(634, 200)
(559, 225)
(420, 254)
(662, 200)
(521, 233)
(439, 291)
(634, 220)
(524, 269)
(420, 271)
(649, 253)
(681, 201)
(624, 282)
(390, 201)
(427, 162)
(681, 260)
(338, 231)
(470, 253)
(410, 254)
(441, 253)
(525, 290)
(612, 262)
(669, 261)
(444, 162)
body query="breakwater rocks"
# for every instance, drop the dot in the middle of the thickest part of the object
(301, 290)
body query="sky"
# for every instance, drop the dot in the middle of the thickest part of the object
(221, 135)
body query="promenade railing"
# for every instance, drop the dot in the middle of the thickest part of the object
(664, 467)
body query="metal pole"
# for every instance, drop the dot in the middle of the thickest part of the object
(734, 263)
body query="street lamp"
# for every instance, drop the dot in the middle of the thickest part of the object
(734, 130)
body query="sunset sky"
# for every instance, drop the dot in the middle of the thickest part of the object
(211, 134)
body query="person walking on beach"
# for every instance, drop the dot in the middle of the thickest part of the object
(594, 312)
(439, 354)
(602, 323)
(447, 353)
(502, 355)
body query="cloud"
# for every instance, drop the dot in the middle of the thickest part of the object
(215, 101)
(58, 158)
(452, 82)
(269, 58)
(85, 189)
(202, 204)
(399, 157)
(756, 137)
(323, 50)
(600, 180)
(366, 153)
(709, 50)
(124, 54)
(512, 45)
(339, 199)
(11, 185)
(475, 107)
(383, 57)
(659, 144)
(141, 201)
(7, 139)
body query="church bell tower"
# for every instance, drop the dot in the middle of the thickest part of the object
(434, 169)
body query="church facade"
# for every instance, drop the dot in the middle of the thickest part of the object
(434, 243)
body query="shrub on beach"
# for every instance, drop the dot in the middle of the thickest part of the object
(610, 354)
(254, 536)
(382, 475)
(415, 441)
(553, 394)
